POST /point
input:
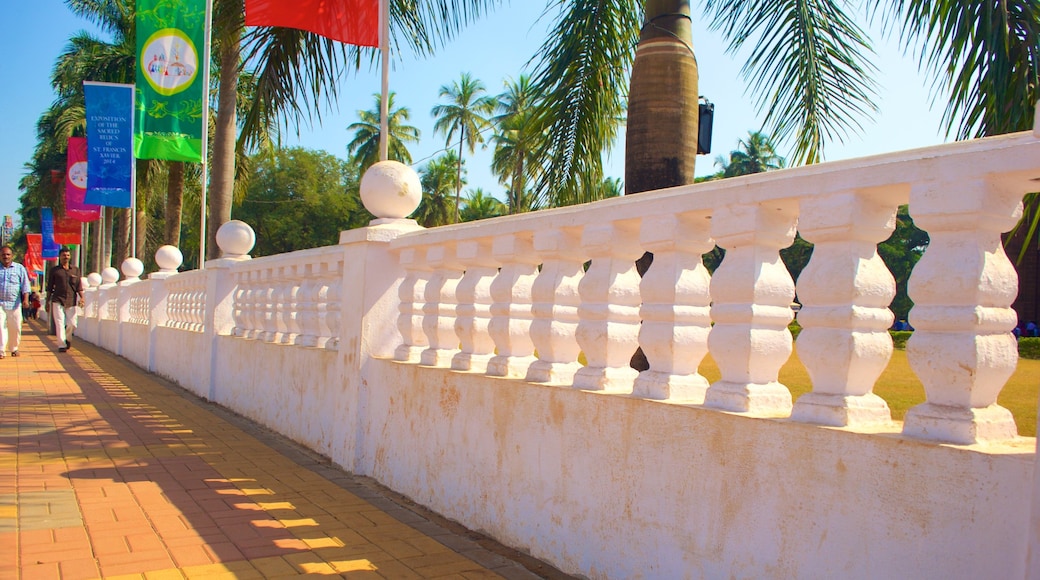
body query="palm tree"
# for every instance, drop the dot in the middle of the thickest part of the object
(438, 178)
(517, 140)
(753, 155)
(364, 148)
(480, 205)
(87, 57)
(465, 113)
(293, 70)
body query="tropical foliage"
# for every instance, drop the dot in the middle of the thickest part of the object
(364, 147)
(298, 198)
(464, 113)
(479, 204)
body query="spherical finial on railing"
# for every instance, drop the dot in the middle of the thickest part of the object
(94, 279)
(235, 239)
(132, 268)
(168, 258)
(109, 275)
(391, 189)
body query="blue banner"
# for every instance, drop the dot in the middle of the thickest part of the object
(110, 143)
(50, 247)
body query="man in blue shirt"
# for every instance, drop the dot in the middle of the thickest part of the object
(14, 295)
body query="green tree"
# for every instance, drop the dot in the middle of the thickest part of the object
(298, 199)
(517, 141)
(439, 179)
(479, 204)
(465, 113)
(752, 155)
(364, 147)
(294, 72)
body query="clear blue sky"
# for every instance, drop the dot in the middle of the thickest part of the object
(492, 50)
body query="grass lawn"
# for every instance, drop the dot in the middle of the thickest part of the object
(901, 389)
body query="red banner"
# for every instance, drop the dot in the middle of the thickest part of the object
(349, 21)
(76, 185)
(34, 255)
(67, 231)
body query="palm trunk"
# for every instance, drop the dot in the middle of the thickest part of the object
(661, 136)
(663, 110)
(174, 204)
(222, 170)
(458, 176)
(121, 236)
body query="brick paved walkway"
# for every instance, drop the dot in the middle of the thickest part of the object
(107, 471)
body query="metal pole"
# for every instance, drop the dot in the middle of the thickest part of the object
(384, 103)
(205, 134)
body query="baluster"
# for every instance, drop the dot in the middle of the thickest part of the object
(439, 308)
(676, 307)
(410, 317)
(306, 296)
(510, 325)
(554, 306)
(256, 306)
(238, 312)
(268, 311)
(752, 294)
(845, 292)
(279, 297)
(962, 348)
(473, 313)
(321, 304)
(333, 307)
(292, 298)
(198, 311)
(608, 318)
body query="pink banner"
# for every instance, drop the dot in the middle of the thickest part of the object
(76, 184)
(34, 255)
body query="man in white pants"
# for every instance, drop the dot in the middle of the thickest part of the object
(14, 295)
(64, 294)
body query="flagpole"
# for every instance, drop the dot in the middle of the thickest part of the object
(384, 103)
(205, 134)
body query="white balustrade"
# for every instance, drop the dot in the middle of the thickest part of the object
(412, 296)
(186, 305)
(752, 294)
(439, 306)
(330, 307)
(510, 325)
(608, 318)
(845, 291)
(554, 306)
(473, 313)
(676, 307)
(307, 306)
(962, 348)
(138, 307)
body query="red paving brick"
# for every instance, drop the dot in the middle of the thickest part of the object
(115, 473)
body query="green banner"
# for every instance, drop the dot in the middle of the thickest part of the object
(170, 106)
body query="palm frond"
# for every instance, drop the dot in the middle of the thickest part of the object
(582, 72)
(809, 68)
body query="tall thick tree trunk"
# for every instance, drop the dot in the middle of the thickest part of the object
(174, 204)
(106, 248)
(661, 136)
(663, 110)
(121, 236)
(138, 226)
(141, 241)
(222, 163)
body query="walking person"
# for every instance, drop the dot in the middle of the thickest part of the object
(14, 296)
(64, 295)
